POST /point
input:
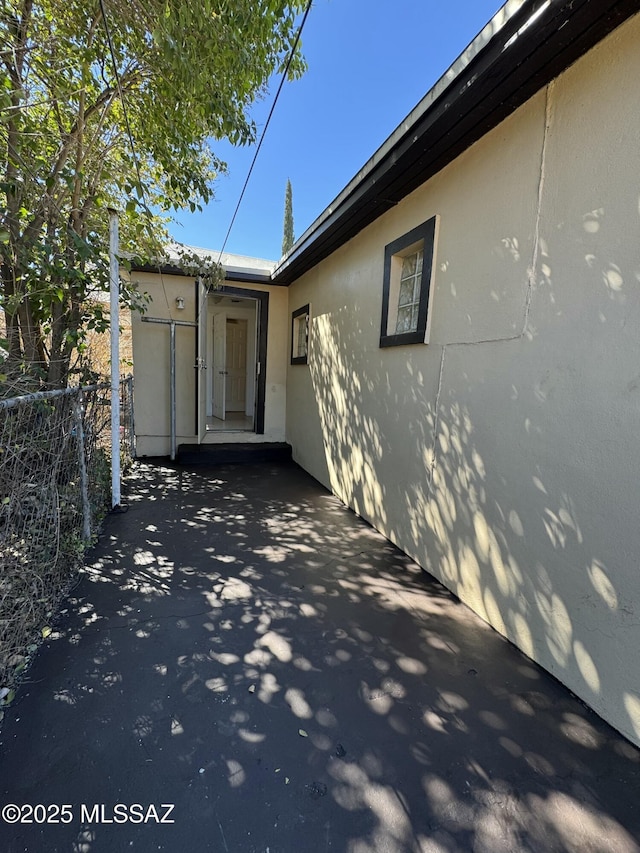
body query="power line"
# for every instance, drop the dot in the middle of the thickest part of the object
(258, 147)
(264, 130)
(261, 140)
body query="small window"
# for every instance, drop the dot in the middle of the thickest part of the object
(300, 335)
(408, 263)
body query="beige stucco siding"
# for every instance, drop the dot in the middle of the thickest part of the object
(276, 385)
(503, 455)
(151, 366)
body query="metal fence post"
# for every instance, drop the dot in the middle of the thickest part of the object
(114, 278)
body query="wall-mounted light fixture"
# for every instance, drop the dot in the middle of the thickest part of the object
(180, 303)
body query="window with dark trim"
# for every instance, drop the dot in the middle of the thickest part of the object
(408, 265)
(300, 335)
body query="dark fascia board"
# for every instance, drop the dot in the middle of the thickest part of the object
(229, 275)
(531, 46)
(253, 278)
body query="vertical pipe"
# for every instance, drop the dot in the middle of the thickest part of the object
(114, 322)
(172, 388)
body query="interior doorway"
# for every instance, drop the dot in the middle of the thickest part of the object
(234, 360)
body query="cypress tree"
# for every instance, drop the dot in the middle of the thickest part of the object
(288, 238)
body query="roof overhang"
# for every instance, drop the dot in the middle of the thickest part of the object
(526, 45)
(237, 274)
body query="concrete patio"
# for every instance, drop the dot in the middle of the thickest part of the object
(244, 648)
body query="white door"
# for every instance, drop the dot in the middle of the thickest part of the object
(219, 364)
(236, 365)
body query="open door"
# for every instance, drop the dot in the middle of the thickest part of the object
(236, 390)
(219, 364)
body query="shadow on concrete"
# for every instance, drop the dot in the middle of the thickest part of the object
(243, 647)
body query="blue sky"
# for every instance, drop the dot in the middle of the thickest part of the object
(369, 65)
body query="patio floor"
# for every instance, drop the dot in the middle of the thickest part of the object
(244, 648)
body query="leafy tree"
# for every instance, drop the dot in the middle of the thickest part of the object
(288, 238)
(187, 73)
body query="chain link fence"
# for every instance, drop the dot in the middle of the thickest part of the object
(127, 427)
(55, 487)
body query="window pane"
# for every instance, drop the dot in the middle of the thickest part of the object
(407, 292)
(416, 289)
(301, 335)
(409, 266)
(419, 257)
(407, 322)
(401, 323)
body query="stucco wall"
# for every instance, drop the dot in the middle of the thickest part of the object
(275, 412)
(151, 366)
(503, 455)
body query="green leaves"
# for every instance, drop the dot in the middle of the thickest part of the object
(188, 73)
(201, 266)
(288, 237)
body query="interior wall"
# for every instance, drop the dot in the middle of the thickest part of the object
(502, 456)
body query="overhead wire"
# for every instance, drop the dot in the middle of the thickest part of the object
(141, 189)
(264, 130)
(283, 78)
(261, 140)
(258, 147)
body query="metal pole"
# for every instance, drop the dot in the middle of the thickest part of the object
(172, 387)
(46, 395)
(114, 320)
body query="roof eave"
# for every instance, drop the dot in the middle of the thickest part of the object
(235, 274)
(525, 46)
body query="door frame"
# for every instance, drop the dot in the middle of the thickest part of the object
(261, 297)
